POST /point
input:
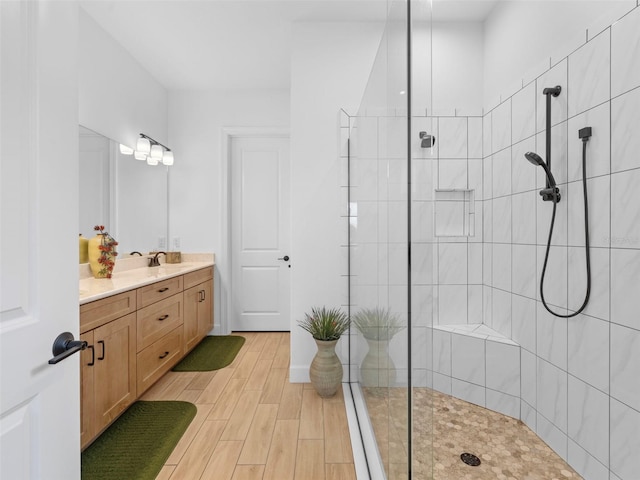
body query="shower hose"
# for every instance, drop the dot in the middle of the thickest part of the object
(586, 240)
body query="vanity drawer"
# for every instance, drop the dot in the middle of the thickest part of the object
(197, 277)
(155, 321)
(157, 358)
(158, 291)
(95, 314)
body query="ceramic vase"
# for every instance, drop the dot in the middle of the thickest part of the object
(326, 370)
(83, 249)
(101, 259)
(377, 368)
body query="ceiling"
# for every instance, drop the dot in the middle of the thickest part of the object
(239, 44)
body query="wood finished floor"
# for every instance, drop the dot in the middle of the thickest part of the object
(252, 424)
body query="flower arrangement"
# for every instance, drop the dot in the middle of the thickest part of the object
(377, 323)
(325, 324)
(108, 252)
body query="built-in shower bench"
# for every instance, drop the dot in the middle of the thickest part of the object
(475, 363)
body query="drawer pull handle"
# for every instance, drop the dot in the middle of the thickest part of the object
(163, 355)
(101, 342)
(163, 317)
(163, 289)
(93, 356)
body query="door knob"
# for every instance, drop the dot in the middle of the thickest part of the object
(285, 258)
(64, 346)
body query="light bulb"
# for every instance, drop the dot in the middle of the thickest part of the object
(143, 145)
(139, 155)
(156, 152)
(167, 158)
(152, 161)
(124, 150)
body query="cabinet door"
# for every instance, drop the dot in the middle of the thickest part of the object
(205, 309)
(87, 413)
(191, 306)
(115, 369)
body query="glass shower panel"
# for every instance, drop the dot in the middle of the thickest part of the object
(423, 178)
(379, 254)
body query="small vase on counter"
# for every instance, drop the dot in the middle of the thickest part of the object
(102, 253)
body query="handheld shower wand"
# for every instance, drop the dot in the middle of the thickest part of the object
(552, 193)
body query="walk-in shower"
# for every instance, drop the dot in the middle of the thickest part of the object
(471, 358)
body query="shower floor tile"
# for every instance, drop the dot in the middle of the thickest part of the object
(507, 448)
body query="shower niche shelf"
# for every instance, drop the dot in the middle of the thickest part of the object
(454, 213)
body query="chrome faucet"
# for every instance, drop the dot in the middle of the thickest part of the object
(153, 261)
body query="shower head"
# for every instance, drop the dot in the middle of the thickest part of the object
(428, 141)
(535, 159)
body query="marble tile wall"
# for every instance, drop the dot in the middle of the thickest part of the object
(457, 274)
(580, 377)
(446, 270)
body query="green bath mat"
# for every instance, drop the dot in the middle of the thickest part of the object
(212, 353)
(138, 443)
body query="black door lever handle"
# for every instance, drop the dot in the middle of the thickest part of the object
(64, 346)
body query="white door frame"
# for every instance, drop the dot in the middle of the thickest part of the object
(223, 261)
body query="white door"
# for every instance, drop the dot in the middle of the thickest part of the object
(260, 236)
(39, 402)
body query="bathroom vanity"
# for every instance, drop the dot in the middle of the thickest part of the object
(138, 325)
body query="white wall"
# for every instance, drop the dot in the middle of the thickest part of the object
(330, 66)
(457, 68)
(522, 35)
(196, 120)
(118, 98)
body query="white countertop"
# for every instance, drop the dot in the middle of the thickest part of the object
(92, 289)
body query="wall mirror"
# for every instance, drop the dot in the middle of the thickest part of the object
(125, 195)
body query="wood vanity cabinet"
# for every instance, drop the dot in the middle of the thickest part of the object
(134, 338)
(108, 366)
(198, 306)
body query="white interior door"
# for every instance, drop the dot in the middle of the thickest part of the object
(39, 402)
(260, 237)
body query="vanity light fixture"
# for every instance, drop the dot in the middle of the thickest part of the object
(143, 145)
(153, 151)
(167, 158)
(156, 152)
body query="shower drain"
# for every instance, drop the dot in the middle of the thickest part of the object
(470, 459)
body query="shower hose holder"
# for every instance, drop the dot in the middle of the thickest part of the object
(548, 194)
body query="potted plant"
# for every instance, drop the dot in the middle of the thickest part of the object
(102, 253)
(326, 326)
(378, 326)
